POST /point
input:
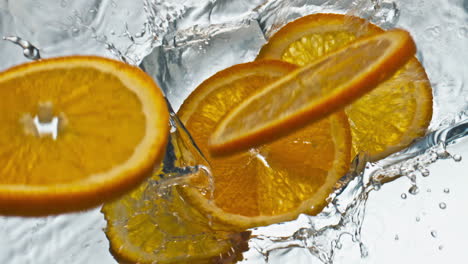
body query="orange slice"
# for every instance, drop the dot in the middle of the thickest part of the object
(383, 121)
(272, 183)
(312, 91)
(76, 131)
(150, 225)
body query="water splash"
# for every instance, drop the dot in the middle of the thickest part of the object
(29, 50)
(321, 235)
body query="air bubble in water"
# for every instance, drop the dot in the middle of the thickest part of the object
(403, 196)
(441, 247)
(446, 190)
(457, 158)
(413, 190)
(397, 237)
(434, 233)
(429, 190)
(442, 205)
(418, 218)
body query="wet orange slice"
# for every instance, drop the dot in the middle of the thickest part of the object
(272, 183)
(76, 131)
(151, 225)
(383, 121)
(312, 91)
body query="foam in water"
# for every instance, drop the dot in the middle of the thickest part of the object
(186, 34)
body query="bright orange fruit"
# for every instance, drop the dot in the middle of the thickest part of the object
(272, 183)
(312, 91)
(76, 131)
(383, 121)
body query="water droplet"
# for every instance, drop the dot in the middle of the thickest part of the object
(412, 177)
(397, 237)
(463, 32)
(442, 205)
(376, 186)
(418, 218)
(425, 172)
(403, 196)
(29, 51)
(434, 233)
(457, 158)
(441, 247)
(413, 190)
(432, 32)
(364, 251)
(75, 32)
(302, 234)
(339, 245)
(446, 190)
(429, 190)
(443, 154)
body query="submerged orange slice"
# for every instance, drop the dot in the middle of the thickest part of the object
(76, 131)
(312, 91)
(272, 183)
(383, 121)
(151, 225)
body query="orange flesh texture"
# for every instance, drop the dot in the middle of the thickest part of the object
(269, 180)
(341, 78)
(85, 146)
(307, 39)
(105, 141)
(161, 230)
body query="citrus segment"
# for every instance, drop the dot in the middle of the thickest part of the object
(76, 131)
(312, 91)
(263, 185)
(383, 121)
(149, 225)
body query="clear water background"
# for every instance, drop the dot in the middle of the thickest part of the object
(187, 41)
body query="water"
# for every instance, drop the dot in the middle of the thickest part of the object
(184, 42)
